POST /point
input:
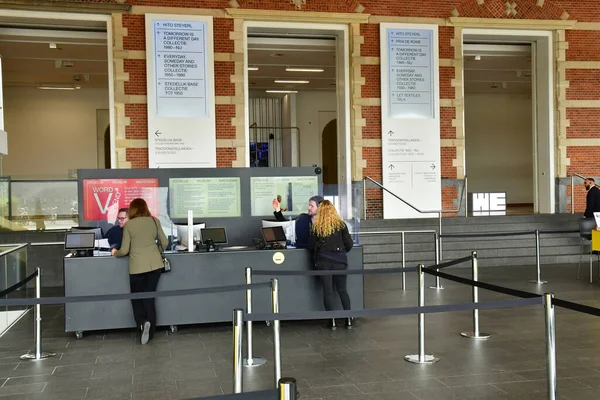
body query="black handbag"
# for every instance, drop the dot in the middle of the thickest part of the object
(166, 263)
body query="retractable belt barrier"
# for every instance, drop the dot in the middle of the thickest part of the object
(17, 285)
(129, 296)
(387, 312)
(272, 394)
(333, 272)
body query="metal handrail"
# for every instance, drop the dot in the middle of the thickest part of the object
(460, 199)
(18, 246)
(573, 191)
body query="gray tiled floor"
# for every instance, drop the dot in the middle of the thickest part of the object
(362, 364)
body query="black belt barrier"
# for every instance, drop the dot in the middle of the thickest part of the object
(333, 272)
(482, 285)
(451, 263)
(259, 395)
(17, 285)
(129, 296)
(487, 305)
(566, 231)
(576, 307)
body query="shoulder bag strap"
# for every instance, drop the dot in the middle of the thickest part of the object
(158, 243)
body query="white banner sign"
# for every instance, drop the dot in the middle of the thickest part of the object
(180, 80)
(410, 119)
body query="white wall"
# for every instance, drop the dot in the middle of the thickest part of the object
(308, 106)
(499, 144)
(50, 131)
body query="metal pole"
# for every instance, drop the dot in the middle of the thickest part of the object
(475, 276)
(403, 262)
(37, 324)
(276, 330)
(550, 345)
(436, 241)
(288, 389)
(572, 195)
(250, 361)
(364, 198)
(421, 358)
(466, 197)
(238, 342)
(439, 239)
(539, 280)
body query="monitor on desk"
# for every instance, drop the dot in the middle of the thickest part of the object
(88, 229)
(273, 234)
(182, 233)
(213, 236)
(289, 228)
(80, 240)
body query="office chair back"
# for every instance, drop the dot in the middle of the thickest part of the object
(586, 226)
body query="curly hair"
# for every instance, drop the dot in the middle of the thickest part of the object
(327, 221)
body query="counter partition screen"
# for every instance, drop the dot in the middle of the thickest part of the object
(237, 199)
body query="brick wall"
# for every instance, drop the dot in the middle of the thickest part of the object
(583, 83)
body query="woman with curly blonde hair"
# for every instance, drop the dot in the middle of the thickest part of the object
(329, 243)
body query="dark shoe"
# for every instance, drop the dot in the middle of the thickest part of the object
(145, 332)
(331, 325)
(349, 323)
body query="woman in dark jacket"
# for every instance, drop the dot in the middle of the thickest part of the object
(329, 242)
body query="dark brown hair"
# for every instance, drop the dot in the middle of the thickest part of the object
(138, 208)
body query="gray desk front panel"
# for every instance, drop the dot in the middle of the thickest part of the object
(108, 275)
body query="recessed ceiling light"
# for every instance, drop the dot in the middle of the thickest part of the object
(288, 81)
(281, 91)
(59, 87)
(478, 58)
(304, 69)
(252, 68)
(52, 45)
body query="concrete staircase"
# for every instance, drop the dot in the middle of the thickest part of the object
(384, 250)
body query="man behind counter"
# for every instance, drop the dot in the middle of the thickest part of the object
(303, 221)
(115, 234)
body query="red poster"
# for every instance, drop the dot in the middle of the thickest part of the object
(102, 198)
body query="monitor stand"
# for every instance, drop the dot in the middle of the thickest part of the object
(210, 246)
(83, 253)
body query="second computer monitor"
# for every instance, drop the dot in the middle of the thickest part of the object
(213, 236)
(273, 234)
(182, 233)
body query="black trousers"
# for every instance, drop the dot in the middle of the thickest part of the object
(143, 309)
(334, 283)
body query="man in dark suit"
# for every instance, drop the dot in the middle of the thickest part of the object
(592, 199)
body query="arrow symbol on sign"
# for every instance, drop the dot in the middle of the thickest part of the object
(391, 167)
(391, 133)
(432, 166)
(158, 133)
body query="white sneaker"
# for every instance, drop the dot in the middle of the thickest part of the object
(145, 332)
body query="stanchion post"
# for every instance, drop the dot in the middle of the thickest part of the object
(238, 338)
(37, 324)
(403, 261)
(475, 334)
(276, 330)
(288, 389)
(421, 358)
(250, 361)
(364, 199)
(539, 280)
(572, 195)
(550, 345)
(437, 241)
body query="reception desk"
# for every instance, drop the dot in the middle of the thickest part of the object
(85, 276)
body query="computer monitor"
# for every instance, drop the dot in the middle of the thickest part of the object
(182, 233)
(87, 229)
(273, 234)
(213, 236)
(80, 241)
(289, 228)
